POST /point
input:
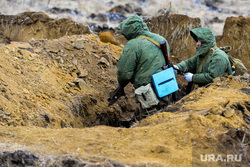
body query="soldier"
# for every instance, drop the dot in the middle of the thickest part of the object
(209, 61)
(140, 59)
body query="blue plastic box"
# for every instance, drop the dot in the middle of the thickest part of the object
(165, 82)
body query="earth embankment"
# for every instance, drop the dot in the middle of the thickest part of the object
(54, 104)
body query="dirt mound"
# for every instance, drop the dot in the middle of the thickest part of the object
(163, 139)
(53, 90)
(236, 35)
(28, 25)
(176, 29)
(61, 82)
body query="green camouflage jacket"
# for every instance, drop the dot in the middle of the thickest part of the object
(140, 57)
(216, 64)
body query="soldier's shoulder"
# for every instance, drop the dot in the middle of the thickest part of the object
(218, 51)
(220, 55)
(132, 44)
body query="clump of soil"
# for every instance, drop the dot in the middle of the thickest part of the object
(107, 36)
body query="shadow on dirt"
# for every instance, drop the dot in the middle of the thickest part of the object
(23, 158)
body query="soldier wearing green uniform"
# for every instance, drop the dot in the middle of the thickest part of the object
(140, 58)
(209, 61)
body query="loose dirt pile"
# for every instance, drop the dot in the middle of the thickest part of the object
(53, 90)
(236, 35)
(201, 120)
(34, 25)
(53, 82)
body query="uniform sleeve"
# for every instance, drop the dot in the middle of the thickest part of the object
(126, 64)
(188, 65)
(216, 68)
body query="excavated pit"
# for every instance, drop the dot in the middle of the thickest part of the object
(73, 74)
(54, 92)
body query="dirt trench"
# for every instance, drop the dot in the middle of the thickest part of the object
(73, 75)
(54, 103)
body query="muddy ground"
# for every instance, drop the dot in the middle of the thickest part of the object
(54, 91)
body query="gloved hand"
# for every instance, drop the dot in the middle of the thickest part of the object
(188, 76)
(175, 69)
(115, 95)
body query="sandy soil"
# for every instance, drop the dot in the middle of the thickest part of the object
(53, 99)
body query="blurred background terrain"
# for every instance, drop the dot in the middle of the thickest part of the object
(110, 12)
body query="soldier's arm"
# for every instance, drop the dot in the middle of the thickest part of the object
(216, 67)
(188, 65)
(126, 64)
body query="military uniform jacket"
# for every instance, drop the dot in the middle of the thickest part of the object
(216, 64)
(140, 58)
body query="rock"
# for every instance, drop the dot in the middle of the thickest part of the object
(77, 80)
(81, 84)
(79, 44)
(60, 60)
(89, 61)
(108, 58)
(71, 84)
(106, 46)
(96, 56)
(52, 46)
(74, 61)
(229, 112)
(82, 73)
(6, 52)
(104, 62)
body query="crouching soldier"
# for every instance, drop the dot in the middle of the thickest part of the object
(140, 59)
(208, 63)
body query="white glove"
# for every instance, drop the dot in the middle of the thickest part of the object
(175, 67)
(188, 76)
